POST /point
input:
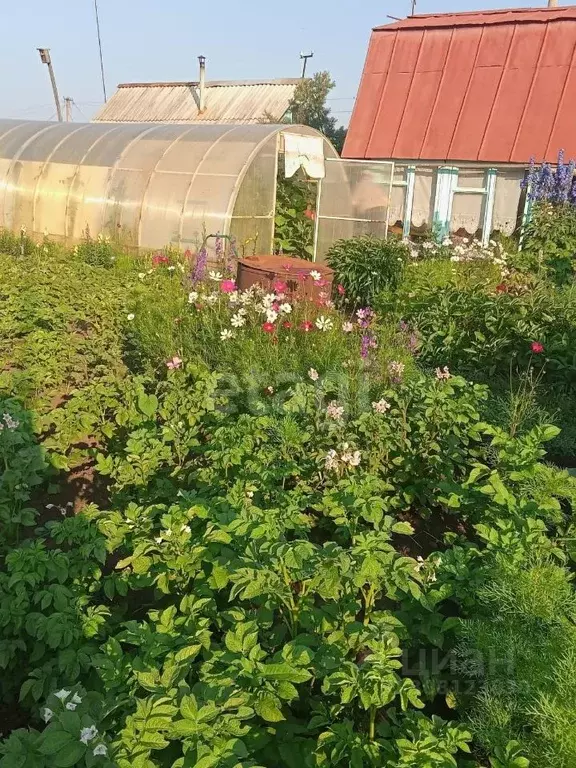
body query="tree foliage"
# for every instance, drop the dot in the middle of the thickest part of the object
(309, 107)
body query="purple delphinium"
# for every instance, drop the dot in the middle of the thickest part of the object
(544, 184)
(200, 266)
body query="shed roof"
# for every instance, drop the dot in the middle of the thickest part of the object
(226, 102)
(491, 86)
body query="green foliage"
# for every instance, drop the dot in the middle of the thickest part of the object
(308, 107)
(23, 469)
(294, 225)
(300, 555)
(367, 265)
(99, 252)
(549, 242)
(59, 325)
(527, 675)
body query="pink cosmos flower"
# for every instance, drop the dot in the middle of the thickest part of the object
(268, 327)
(286, 324)
(306, 326)
(176, 362)
(279, 286)
(341, 290)
(227, 286)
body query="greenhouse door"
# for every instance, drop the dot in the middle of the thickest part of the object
(353, 199)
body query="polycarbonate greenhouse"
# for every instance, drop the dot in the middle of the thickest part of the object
(151, 186)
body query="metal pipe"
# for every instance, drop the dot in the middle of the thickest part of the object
(45, 58)
(202, 84)
(552, 3)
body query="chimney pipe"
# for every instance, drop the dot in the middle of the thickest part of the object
(202, 83)
(552, 3)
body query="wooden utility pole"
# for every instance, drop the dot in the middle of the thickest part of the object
(68, 106)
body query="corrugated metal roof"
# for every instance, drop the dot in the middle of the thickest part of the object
(226, 102)
(493, 86)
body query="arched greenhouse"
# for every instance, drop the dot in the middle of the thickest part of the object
(152, 186)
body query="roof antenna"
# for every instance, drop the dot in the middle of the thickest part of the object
(414, 6)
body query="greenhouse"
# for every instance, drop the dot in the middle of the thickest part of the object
(153, 186)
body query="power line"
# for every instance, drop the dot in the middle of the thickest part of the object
(100, 50)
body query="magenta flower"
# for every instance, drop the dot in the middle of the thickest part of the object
(228, 286)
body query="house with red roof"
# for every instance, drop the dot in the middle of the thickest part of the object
(461, 102)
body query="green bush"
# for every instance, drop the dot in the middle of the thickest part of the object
(549, 242)
(525, 662)
(367, 265)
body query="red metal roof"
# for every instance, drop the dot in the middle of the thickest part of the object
(492, 86)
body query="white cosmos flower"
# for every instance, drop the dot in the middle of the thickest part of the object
(242, 312)
(347, 327)
(47, 714)
(226, 334)
(131, 316)
(237, 320)
(233, 297)
(212, 299)
(268, 300)
(100, 750)
(285, 308)
(192, 297)
(271, 315)
(216, 276)
(324, 323)
(315, 275)
(87, 734)
(63, 694)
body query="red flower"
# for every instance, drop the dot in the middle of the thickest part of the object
(268, 327)
(286, 324)
(537, 348)
(159, 258)
(341, 290)
(502, 288)
(306, 326)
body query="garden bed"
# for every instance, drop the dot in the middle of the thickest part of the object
(243, 529)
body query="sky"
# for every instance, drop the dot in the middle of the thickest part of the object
(157, 40)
